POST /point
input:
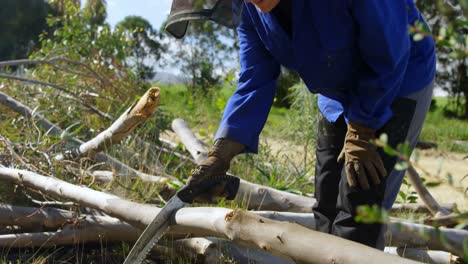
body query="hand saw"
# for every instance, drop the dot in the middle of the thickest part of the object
(182, 198)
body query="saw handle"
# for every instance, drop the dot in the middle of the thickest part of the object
(209, 188)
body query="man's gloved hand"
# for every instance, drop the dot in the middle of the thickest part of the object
(361, 159)
(209, 179)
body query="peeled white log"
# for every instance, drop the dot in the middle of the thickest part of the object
(300, 244)
(226, 223)
(91, 228)
(213, 249)
(421, 208)
(134, 213)
(426, 256)
(406, 234)
(424, 193)
(196, 148)
(195, 221)
(34, 218)
(108, 176)
(138, 113)
(260, 197)
(110, 230)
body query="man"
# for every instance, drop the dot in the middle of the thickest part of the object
(371, 79)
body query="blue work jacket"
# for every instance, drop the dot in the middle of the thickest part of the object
(357, 55)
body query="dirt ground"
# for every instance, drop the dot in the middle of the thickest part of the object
(449, 168)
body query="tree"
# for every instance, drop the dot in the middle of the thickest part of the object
(145, 44)
(206, 54)
(21, 22)
(95, 10)
(450, 30)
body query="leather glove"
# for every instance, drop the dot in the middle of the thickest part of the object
(361, 159)
(209, 179)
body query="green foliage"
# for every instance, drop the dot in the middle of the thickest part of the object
(444, 129)
(450, 31)
(95, 12)
(205, 56)
(145, 45)
(371, 214)
(286, 81)
(301, 117)
(21, 22)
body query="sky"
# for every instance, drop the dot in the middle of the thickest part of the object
(155, 11)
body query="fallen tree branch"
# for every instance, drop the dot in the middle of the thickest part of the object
(196, 221)
(421, 208)
(139, 112)
(288, 240)
(424, 193)
(426, 256)
(215, 250)
(196, 147)
(108, 176)
(134, 213)
(406, 234)
(415, 180)
(203, 222)
(57, 131)
(89, 228)
(112, 230)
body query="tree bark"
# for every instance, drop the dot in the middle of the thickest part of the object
(136, 214)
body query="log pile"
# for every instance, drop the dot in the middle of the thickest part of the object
(274, 227)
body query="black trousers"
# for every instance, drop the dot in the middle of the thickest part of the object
(336, 205)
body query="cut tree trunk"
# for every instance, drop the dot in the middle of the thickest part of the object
(215, 250)
(227, 223)
(288, 240)
(208, 221)
(138, 113)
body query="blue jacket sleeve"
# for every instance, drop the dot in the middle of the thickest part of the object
(247, 110)
(384, 46)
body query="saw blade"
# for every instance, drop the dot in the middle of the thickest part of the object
(154, 231)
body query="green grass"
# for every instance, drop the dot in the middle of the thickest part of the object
(445, 130)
